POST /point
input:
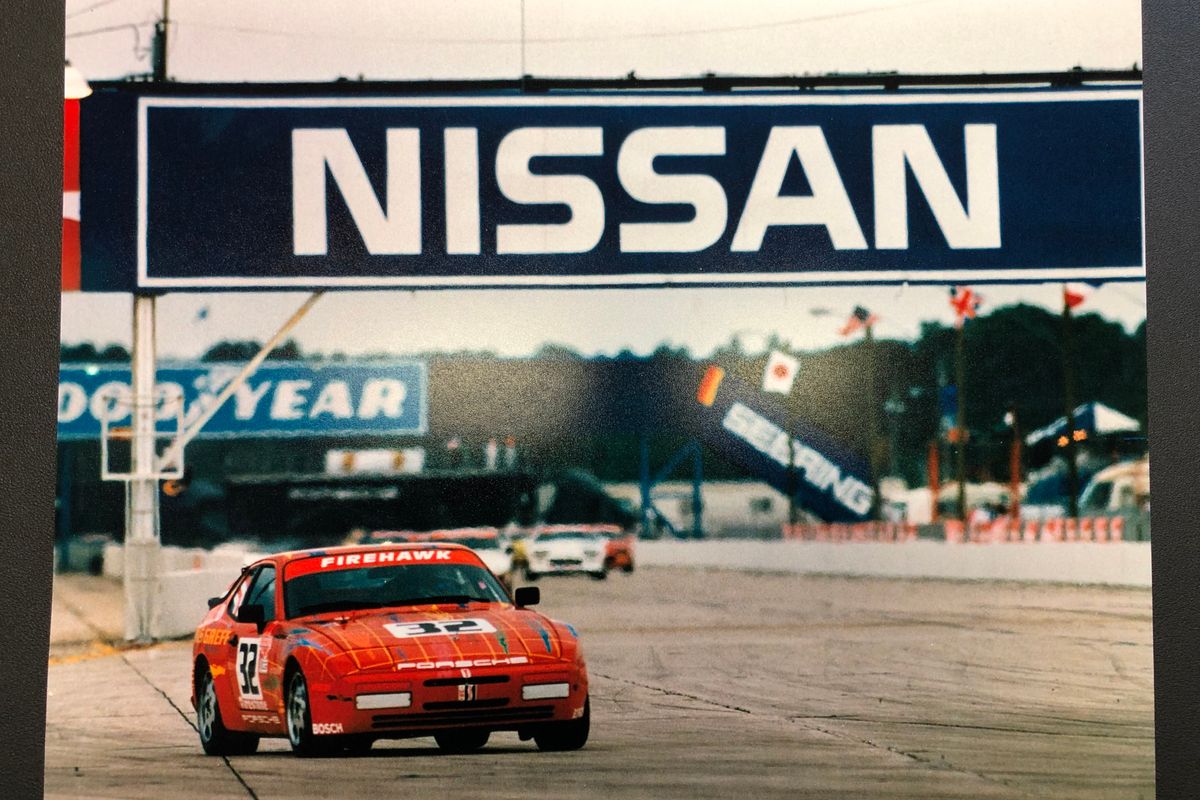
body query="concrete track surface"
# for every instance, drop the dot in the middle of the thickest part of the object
(705, 684)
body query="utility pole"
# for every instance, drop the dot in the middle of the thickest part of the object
(142, 544)
(1068, 352)
(1014, 467)
(872, 420)
(960, 422)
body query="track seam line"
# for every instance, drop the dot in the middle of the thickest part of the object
(674, 693)
(190, 724)
(927, 762)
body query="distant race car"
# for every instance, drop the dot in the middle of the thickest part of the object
(573, 549)
(337, 648)
(487, 545)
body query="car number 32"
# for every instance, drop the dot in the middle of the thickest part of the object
(443, 627)
(247, 667)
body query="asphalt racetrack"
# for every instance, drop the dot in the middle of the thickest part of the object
(704, 684)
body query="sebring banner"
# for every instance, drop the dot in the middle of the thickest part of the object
(610, 189)
(278, 400)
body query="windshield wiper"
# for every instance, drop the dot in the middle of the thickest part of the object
(339, 605)
(442, 598)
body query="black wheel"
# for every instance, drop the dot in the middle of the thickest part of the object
(560, 736)
(467, 741)
(215, 738)
(530, 575)
(628, 568)
(299, 721)
(599, 576)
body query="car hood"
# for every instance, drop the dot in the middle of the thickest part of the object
(433, 635)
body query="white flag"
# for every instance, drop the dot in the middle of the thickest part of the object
(780, 373)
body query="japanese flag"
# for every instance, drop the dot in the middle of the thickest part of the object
(780, 373)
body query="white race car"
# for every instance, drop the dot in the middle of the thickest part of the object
(564, 549)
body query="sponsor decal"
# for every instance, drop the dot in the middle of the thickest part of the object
(213, 636)
(326, 728)
(386, 557)
(412, 630)
(264, 648)
(468, 692)
(470, 662)
(254, 705)
(260, 719)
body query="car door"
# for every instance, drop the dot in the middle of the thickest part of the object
(255, 686)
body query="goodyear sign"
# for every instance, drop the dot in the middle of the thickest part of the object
(277, 400)
(610, 189)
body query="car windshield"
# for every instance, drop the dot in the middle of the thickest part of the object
(388, 586)
(558, 536)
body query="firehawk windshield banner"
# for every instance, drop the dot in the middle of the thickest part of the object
(599, 189)
(277, 400)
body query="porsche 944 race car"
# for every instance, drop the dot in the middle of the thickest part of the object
(337, 648)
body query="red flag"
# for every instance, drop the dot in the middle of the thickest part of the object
(859, 318)
(1075, 294)
(965, 303)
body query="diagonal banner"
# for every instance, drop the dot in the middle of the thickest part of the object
(745, 427)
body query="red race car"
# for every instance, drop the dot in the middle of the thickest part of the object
(337, 648)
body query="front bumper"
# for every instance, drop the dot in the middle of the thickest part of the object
(566, 564)
(488, 698)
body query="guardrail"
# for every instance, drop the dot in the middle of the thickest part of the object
(1105, 528)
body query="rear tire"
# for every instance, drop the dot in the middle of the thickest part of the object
(215, 738)
(467, 741)
(599, 576)
(563, 736)
(530, 575)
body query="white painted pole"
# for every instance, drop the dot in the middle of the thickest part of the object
(141, 501)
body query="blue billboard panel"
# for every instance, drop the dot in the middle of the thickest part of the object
(610, 189)
(751, 430)
(293, 399)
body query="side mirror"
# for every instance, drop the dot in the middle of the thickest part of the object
(256, 615)
(213, 602)
(527, 596)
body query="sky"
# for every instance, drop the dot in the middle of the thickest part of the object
(268, 40)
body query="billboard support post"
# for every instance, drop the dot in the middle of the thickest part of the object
(141, 506)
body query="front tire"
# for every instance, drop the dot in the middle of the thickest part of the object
(530, 575)
(467, 741)
(215, 738)
(299, 721)
(599, 576)
(562, 736)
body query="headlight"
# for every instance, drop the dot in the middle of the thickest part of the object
(393, 700)
(591, 553)
(541, 553)
(545, 691)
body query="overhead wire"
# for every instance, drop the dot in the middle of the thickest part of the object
(92, 7)
(561, 39)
